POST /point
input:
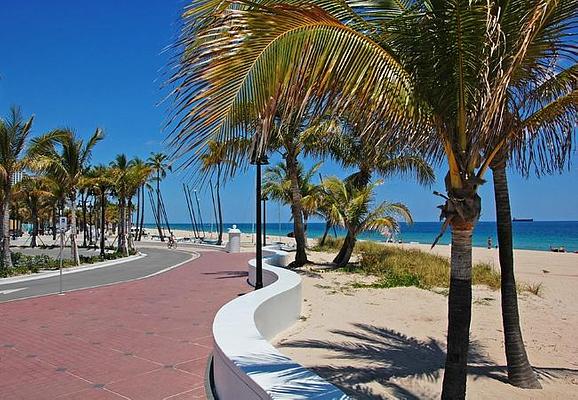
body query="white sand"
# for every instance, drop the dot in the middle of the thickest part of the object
(390, 343)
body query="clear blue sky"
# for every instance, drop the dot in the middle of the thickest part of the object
(99, 64)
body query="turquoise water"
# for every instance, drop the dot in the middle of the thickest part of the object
(538, 235)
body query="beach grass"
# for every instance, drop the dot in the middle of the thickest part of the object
(397, 267)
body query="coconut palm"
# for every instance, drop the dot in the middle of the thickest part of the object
(450, 62)
(160, 166)
(103, 182)
(216, 158)
(141, 165)
(350, 207)
(278, 186)
(64, 156)
(344, 142)
(136, 178)
(14, 132)
(542, 139)
(34, 192)
(119, 171)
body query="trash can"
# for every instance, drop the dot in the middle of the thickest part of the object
(234, 245)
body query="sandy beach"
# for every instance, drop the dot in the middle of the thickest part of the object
(390, 343)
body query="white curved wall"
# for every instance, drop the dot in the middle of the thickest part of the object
(245, 365)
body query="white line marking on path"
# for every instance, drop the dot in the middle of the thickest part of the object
(8, 291)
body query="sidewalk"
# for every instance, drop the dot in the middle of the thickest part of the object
(141, 340)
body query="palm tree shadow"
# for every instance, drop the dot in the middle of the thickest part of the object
(390, 354)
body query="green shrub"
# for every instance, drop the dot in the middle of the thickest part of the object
(396, 266)
(24, 264)
(331, 244)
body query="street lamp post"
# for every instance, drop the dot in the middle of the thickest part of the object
(258, 161)
(265, 219)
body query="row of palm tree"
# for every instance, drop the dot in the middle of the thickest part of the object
(55, 173)
(477, 84)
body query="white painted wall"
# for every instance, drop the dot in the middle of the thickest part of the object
(245, 365)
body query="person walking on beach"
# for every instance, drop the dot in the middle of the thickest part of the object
(489, 242)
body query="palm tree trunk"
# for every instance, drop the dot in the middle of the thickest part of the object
(84, 230)
(141, 225)
(325, 233)
(459, 313)
(121, 225)
(7, 258)
(102, 221)
(34, 212)
(347, 243)
(138, 210)
(346, 250)
(128, 230)
(220, 238)
(296, 211)
(520, 372)
(54, 221)
(73, 244)
(159, 206)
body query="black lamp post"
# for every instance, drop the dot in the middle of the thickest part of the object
(265, 198)
(258, 161)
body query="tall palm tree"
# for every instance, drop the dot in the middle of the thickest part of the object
(160, 165)
(278, 186)
(543, 139)
(393, 65)
(102, 180)
(65, 157)
(141, 165)
(119, 171)
(350, 207)
(33, 191)
(216, 158)
(136, 178)
(14, 132)
(344, 142)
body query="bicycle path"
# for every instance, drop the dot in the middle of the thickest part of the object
(147, 339)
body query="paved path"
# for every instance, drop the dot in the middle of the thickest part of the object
(155, 261)
(142, 340)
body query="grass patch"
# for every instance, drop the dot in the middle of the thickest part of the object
(395, 267)
(331, 244)
(24, 264)
(536, 289)
(399, 267)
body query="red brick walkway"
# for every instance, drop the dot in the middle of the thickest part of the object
(146, 339)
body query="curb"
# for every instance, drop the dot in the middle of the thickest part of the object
(193, 257)
(210, 390)
(71, 270)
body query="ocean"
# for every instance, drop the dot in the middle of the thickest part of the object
(536, 235)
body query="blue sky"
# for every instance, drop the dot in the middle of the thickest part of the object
(100, 64)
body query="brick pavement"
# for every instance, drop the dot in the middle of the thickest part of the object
(142, 340)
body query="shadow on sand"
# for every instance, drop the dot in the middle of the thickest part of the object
(389, 354)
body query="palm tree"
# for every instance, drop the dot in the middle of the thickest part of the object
(216, 158)
(33, 192)
(278, 186)
(388, 64)
(140, 164)
(103, 184)
(344, 142)
(350, 207)
(160, 165)
(119, 171)
(542, 138)
(14, 132)
(136, 178)
(65, 157)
